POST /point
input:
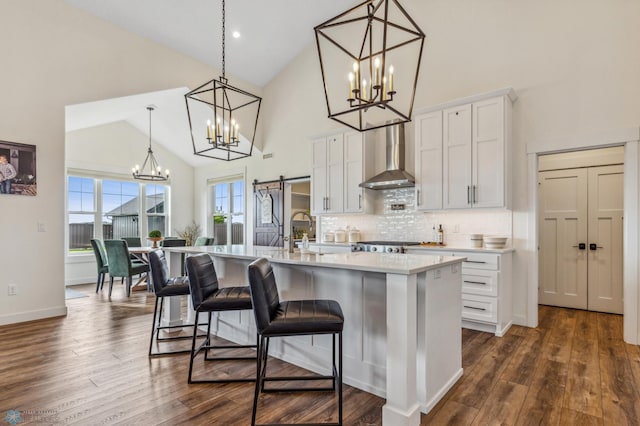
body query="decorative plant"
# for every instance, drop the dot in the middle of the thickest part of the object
(190, 233)
(155, 234)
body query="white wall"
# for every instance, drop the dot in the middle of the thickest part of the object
(113, 149)
(573, 64)
(56, 55)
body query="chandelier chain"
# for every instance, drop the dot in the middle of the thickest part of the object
(150, 109)
(223, 39)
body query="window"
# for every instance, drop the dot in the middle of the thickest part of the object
(82, 213)
(227, 211)
(121, 208)
(155, 202)
(112, 209)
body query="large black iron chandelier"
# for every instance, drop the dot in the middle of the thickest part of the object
(363, 88)
(150, 169)
(225, 117)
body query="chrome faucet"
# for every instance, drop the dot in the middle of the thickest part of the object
(291, 236)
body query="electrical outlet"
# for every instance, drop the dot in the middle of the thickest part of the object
(454, 269)
(12, 290)
(437, 274)
(456, 229)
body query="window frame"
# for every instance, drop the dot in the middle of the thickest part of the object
(98, 179)
(229, 215)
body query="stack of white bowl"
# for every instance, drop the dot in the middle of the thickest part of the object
(495, 242)
(476, 240)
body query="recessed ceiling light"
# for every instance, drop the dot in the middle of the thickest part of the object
(236, 34)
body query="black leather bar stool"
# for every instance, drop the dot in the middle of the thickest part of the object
(165, 287)
(292, 318)
(208, 297)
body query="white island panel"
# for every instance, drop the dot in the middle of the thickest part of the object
(402, 319)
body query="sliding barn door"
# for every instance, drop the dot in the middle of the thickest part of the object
(268, 214)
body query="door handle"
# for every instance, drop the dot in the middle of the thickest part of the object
(418, 196)
(359, 201)
(468, 194)
(594, 247)
(581, 246)
(475, 194)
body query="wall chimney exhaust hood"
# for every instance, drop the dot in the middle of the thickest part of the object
(394, 176)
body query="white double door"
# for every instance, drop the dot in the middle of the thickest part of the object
(581, 238)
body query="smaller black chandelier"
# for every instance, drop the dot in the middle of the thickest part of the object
(223, 108)
(378, 95)
(153, 172)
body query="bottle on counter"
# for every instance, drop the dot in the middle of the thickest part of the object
(440, 235)
(305, 241)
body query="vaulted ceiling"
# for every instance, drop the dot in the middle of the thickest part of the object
(272, 33)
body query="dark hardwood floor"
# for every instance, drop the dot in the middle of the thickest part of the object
(91, 368)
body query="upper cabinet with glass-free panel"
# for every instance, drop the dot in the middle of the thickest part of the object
(473, 153)
(340, 163)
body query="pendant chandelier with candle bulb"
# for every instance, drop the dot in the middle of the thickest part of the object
(363, 88)
(150, 169)
(216, 111)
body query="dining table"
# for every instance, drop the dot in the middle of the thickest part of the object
(142, 254)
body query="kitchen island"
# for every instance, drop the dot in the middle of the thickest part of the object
(402, 334)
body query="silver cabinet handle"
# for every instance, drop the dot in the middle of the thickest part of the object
(473, 307)
(475, 282)
(359, 201)
(328, 203)
(468, 194)
(475, 194)
(418, 196)
(474, 261)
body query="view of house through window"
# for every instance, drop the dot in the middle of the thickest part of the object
(227, 209)
(111, 209)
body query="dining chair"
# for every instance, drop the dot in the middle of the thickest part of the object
(207, 296)
(120, 264)
(203, 241)
(292, 318)
(101, 262)
(133, 241)
(173, 242)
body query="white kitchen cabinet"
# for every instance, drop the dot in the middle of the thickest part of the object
(340, 163)
(456, 148)
(428, 134)
(486, 288)
(327, 175)
(470, 168)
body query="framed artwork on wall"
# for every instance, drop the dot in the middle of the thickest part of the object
(17, 168)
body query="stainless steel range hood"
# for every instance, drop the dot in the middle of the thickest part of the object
(394, 176)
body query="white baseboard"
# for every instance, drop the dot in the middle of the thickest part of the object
(81, 280)
(520, 320)
(33, 315)
(427, 406)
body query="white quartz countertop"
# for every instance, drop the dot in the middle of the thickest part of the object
(392, 263)
(462, 249)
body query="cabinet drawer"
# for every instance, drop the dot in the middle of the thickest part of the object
(481, 261)
(479, 308)
(478, 281)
